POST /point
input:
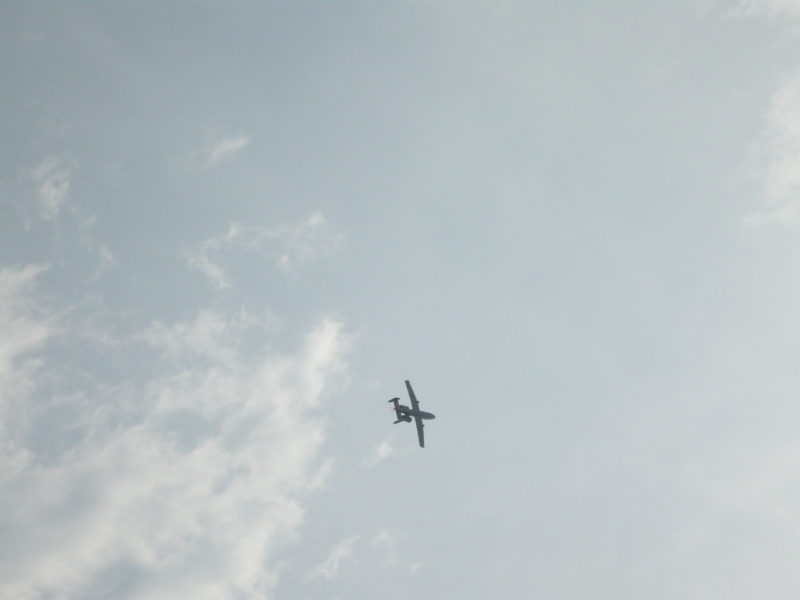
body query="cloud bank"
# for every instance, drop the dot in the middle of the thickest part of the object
(180, 483)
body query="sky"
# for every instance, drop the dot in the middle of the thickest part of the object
(229, 231)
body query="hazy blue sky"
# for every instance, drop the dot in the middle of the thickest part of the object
(229, 231)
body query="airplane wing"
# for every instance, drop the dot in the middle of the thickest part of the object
(420, 432)
(414, 403)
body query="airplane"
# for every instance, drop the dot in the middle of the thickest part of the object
(404, 413)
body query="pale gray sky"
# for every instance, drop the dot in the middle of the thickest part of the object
(229, 231)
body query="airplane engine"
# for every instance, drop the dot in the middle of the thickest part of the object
(406, 418)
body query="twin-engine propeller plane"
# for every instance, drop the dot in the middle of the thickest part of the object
(404, 414)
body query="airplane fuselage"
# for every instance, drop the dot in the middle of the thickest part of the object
(414, 413)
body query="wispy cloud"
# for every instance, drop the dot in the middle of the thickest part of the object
(52, 180)
(378, 453)
(376, 553)
(776, 10)
(385, 537)
(51, 199)
(105, 260)
(766, 487)
(24, 327)
(225, 149)
(289, 247)
(306, 242)
(204, 256)
(385, 545)
(212, 153)
(339, 553)
(186, 480)
(779, 151)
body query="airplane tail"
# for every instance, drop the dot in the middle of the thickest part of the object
(397, 410)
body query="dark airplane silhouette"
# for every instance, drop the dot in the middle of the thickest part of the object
(404, 413)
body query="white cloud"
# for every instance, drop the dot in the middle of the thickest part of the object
(779, 151)
(378, 453)
(289, 247)
(339, 553)
(183, 483)
(52, 181)
(225, 149)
